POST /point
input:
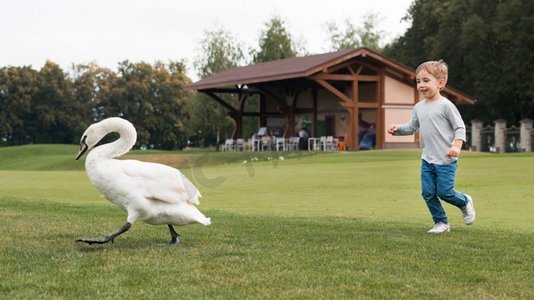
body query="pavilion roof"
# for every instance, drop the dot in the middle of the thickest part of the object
(304, 67)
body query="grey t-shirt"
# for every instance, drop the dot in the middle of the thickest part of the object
(439, 123)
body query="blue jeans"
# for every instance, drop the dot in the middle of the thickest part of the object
(437, 182)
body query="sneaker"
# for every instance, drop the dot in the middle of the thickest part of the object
(468, 211)
(440, 228)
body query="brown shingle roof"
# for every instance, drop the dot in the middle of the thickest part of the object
(302, 67)
(270, 71)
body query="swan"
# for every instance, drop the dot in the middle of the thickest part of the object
(154, 193)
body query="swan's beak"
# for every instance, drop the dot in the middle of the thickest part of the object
(83, 149)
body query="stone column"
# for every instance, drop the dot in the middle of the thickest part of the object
(476, 135)
(500, 135)
(525, 136)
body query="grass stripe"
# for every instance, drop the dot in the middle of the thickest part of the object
(254, 256)
(336, 225)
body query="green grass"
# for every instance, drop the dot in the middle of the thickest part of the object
(343, 225)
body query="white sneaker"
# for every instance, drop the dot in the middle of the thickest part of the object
(440, 228)
(468, 211)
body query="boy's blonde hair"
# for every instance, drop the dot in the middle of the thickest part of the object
(438, 69)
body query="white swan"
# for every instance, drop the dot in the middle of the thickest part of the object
(153, 193)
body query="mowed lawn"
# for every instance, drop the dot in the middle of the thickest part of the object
(334, 225)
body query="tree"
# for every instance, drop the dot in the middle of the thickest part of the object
(513, 27)
(91, 82)
(354, 37)
(487, 45)
(219, 51)
(167, 123)
(18, 85)
(275, 42)
(153, 99)
(54, 113)
(411, 48)
(49, 106)
(342, 40)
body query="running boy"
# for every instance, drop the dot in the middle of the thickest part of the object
(442, 134)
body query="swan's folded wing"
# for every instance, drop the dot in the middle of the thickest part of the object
(192, 192)
(160, 182)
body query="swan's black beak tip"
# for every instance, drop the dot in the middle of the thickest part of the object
(83, 149)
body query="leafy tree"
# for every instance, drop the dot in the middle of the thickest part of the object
(411, 48)
(91, 83)
(18, 85)
(354, 37)
(49, 106)
(152, 98)
(275, 42)
(219, 51)
(515, 20)
(488, 46)
(343, 40)
(54, 113)
(167, 123)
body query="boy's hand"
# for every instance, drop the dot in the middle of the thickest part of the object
(454, 151)
(392, 129)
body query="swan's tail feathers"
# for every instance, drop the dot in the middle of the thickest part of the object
(198, 216)
(192, 191)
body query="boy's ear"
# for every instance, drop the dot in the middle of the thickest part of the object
(441, 84)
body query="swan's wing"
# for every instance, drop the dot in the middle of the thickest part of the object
(160, 182)
(191, 190)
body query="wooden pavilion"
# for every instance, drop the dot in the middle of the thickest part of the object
(333, 94)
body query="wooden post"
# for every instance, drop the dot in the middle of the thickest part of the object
(354, 142)
(314, 117)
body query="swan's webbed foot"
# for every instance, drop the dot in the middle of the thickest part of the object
(108, 238)
(175, 237)
(96, 240)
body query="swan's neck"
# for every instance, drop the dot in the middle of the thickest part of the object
(121, 146)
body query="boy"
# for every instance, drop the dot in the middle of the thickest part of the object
(442, 133)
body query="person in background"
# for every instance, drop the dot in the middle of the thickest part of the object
(363, 127)
(303, 139)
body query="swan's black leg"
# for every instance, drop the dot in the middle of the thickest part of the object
(107, 238)
(174, 235)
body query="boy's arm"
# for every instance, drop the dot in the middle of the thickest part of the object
(455, 149)
(405, 129)
(456, 122)
(458, 126)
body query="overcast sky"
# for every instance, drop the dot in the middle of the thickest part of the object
(110, 31)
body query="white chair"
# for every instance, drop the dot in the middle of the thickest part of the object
(240, 145)
(280, 144)
(255, 144)
(329, 144)
(321, 144)
(229, 145)
(293, 144)
(266, 143)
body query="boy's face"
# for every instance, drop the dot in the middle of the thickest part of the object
(428, 85)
